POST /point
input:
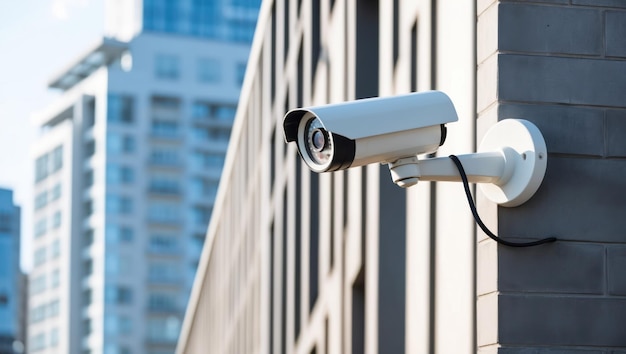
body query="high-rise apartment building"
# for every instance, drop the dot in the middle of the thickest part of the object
(348, 263)
(11, 331)
(126, 171)
(227, 20)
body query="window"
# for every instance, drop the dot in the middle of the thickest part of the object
(55, 249)
(201, 110)
(53, 308)
(117, 324)
(57, 158)
(125, 324)
(38, 313)
(90, 148)
(225, 112)
(120, 295)
(164, 301)
(54, 279)
(41, 200)
(164, 184)
(166, 67)
(88, 207)
(164, 212)
(86, 326)
(119, 174)
(88, 178)
(208, 70)
(88, 237)
(40, 256)
(38, 284)
(49, 163)
(201, 215)
(163, 243)
(165, 103)
(120, 143)
(56, 219)
(164, 329)
(165, 157)
(120, 108)
(119, 204)
(87, 267)
(110, 348)
(202, 159)
(54, 337)
(164, 271)
(197, 242)
(41, 168)
(222, 111)
(204, 187)
(217, 134)
(240, 73)
(37, 342)
(55, 192)
(87, 297)
(165, 128)
(117, 233)
(117, 264)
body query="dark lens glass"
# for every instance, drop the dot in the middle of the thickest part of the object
(318, 140)
(318, 143)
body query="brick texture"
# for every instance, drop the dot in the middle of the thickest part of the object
(616, 132)
(549, 29)
(562, 321)
(579, 199)
(616, 265)
(566, 129)
(562, 80)
(549, 351)
(559, 64)
(601, 3)
(562, 267)
(615, 30)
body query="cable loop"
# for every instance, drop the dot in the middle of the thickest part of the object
(480, 223)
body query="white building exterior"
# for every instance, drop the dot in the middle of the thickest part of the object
(344, 262)
(127, 166)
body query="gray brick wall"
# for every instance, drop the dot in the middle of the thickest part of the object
(561, 64)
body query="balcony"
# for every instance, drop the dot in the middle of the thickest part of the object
(165, 190)
(165, 279)
(164, 250)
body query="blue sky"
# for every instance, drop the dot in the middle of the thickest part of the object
(37, 39)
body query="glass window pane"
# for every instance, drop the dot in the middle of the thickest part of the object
(120, 108)
(167, 67)
(209, 70)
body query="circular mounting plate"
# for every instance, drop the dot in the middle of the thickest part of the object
(526, 159)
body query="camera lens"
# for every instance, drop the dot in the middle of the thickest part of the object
(318, 140)
(318, 144)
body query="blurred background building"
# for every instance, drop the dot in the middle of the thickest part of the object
(347, 262)
(11, 296)
(126, 170)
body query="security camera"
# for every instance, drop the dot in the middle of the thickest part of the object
(510, 163)
(374, 130)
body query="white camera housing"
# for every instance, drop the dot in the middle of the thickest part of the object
(510, 163)
(383, 129)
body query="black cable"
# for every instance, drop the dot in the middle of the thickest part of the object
(480, 223)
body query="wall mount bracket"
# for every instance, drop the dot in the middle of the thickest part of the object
(509, 166)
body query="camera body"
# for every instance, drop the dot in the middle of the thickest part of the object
(374, 130)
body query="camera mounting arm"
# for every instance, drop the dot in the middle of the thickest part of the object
(509, 166)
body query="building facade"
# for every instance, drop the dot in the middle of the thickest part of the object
(11, 300)
(225, 20)
(126, 171)
(347, 262)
